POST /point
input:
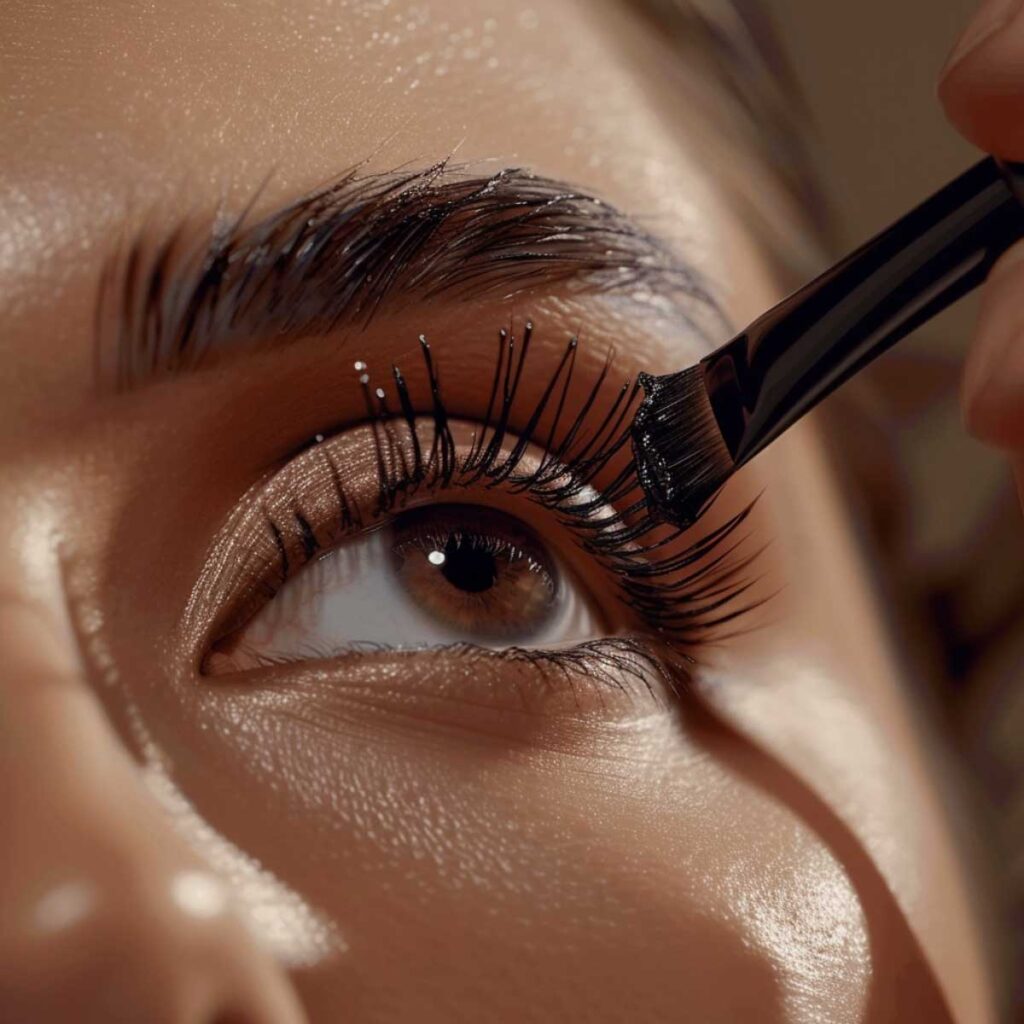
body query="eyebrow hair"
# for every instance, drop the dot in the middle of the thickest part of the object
(341, 255)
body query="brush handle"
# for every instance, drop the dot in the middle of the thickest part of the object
(792, 357)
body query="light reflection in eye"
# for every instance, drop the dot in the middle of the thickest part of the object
(436, 574)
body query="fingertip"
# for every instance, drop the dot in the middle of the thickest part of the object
(993, 382)
(982, 91)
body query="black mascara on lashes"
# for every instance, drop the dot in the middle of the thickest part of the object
(696, 427)
(683, 589)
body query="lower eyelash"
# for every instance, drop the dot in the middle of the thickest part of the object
(631, 665)
(683, 590)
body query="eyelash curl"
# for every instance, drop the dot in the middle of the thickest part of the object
(684, 591)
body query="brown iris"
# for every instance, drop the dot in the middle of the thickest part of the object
(475, 570)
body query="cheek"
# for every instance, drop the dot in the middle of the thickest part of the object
(576, 863)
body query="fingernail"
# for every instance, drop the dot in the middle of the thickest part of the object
(993, 389)
(992, 17)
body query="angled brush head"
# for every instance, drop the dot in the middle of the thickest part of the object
(680, 456)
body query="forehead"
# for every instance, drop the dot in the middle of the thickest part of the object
(187, 95)
(113, 111)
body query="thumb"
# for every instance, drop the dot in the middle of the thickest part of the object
(982, 84)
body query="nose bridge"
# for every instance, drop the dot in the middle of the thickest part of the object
(105, 915)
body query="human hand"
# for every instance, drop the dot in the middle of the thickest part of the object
(982, 90)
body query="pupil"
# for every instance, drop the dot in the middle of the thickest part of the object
(467, 567)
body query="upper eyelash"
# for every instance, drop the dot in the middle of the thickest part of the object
(638, 552)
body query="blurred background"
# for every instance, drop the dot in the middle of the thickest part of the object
(943, 512)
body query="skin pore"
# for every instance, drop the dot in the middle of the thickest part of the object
(404, 841)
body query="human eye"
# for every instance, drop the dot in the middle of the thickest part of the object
(518, 538)
(430, 575)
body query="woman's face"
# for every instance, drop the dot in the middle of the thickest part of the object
(204, 789)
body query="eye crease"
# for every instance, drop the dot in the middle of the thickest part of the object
(418, 530)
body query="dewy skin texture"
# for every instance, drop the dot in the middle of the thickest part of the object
(725, 850)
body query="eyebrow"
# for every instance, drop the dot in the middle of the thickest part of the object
(364, 244)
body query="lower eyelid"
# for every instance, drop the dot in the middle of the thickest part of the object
(479, 690)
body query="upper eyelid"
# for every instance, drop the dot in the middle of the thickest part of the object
(339, 255)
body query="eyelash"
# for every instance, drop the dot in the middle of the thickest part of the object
(643, 557)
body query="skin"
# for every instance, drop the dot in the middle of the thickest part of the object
(773, 844)
(982, 91)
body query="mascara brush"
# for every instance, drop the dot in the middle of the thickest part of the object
(695, 428)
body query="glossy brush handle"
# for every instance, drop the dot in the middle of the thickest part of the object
(797, 353)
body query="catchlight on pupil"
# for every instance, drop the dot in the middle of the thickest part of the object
(465, 566)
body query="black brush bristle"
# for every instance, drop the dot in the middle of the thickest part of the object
(681, 459)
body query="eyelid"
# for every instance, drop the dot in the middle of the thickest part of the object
(512, 693)
(677, 587)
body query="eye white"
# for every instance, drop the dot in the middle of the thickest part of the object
(352, 596)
